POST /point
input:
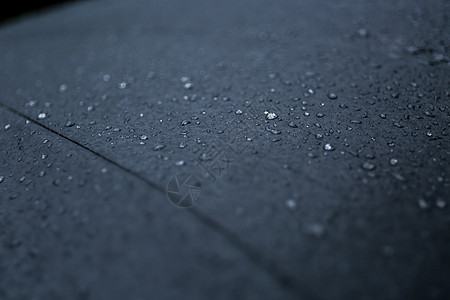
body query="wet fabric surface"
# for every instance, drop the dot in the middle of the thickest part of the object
(316, 132)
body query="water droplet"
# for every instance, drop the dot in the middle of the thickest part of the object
(332, 96)
(69, 124)
(412, 50)
(205, 156)
(423, 204)
(383, 116)
(106, 77)
(291, 204)
(292, 124)
(184, 79)
(311, 155)
(270, 115)
(440, 203)
(328, 147)
(42, 116)
(437, 58)
(398, 176)
(182, 145)
(368, 166)
(122, 85)
(159, 147)
(429, 114)
(44, 156)
(277, 139)
(185, 122)
(144, 137)
(238, 112)
(188, 85)
(362, 32)
(62, 88)
(31, 103)
(272, 130)
(180, 163)
(7, 126)
(393, 161)
(2, 178)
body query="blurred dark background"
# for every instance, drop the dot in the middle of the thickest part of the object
(20, 9)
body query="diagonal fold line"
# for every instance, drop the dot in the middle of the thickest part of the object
(122, 167)
(281, 277)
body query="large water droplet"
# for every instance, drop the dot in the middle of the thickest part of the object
(270, 115)
(180, 163)
(332, 96)
(328, 147)
(42, 116)
(393, 161)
